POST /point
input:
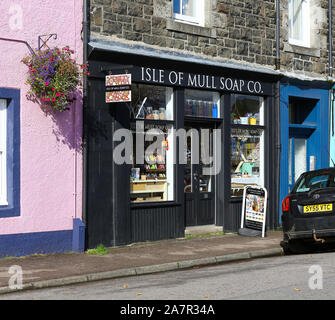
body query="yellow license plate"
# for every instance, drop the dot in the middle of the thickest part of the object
(318, 208)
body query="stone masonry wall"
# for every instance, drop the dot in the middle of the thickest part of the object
(313, 60)
(235, 30)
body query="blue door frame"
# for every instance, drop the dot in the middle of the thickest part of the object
(315, 129)
(332, 129)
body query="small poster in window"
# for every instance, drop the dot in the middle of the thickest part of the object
(135, 173)
(118, 88)
(118, 80)
(118, 96)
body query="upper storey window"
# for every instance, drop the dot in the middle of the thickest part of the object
(299, 22)
(189, 11)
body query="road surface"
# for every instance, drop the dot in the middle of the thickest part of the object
(308, 276)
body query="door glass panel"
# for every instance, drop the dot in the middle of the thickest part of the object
(300, 157)
(188, 178)
(206, 159)
(204, 183)
(199, 159)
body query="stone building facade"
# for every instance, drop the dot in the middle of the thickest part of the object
(240, 31)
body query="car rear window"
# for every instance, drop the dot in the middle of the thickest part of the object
(315, 180)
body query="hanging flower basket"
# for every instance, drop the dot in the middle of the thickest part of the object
(53, 77)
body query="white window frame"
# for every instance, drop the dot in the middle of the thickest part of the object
(305, 12)
(3, 152)
(197, 19)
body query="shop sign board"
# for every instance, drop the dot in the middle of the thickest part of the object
(254, 211)
(118, 88)
(201, 81)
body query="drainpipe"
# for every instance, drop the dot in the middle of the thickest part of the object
(85, 56)
(277, 112)
(277, 146)
(330, 36)
(277, 60)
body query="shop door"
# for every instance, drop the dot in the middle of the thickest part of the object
(198, 186)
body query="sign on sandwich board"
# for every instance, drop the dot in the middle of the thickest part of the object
(254, 206)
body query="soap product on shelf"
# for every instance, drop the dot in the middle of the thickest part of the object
(215, 110)
(162, 115)
(194, 108)
(149, 113)
(155, 114)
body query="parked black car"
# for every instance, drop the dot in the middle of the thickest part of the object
(308, 212)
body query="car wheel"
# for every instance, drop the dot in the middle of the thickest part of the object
(286, 248)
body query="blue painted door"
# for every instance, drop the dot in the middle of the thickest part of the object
(304, 121)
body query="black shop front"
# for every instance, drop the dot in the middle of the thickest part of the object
(214, 129)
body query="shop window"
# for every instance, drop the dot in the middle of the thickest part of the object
(152, 168)
(152, 102)
(247, 110)
(299, 22)
(3, 152)
(189, 11)
(247, 159)
(202, 104)
(247, 143)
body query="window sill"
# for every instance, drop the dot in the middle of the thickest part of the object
(236, 199)
(135, 205)
(313, 52)
(247, 126)
(3, 204)
(173, 25)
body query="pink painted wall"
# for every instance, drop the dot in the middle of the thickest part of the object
(51, 161)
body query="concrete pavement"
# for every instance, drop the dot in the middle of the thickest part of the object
(41, 271)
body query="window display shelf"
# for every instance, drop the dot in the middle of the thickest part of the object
(247, 126)
(245, 180)
(147, 190)
(146, 181)
(202, 119)
(153, 121)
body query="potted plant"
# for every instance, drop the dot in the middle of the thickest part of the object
(235, 119)
(53, 77)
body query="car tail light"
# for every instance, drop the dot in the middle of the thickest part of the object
(286, 204)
